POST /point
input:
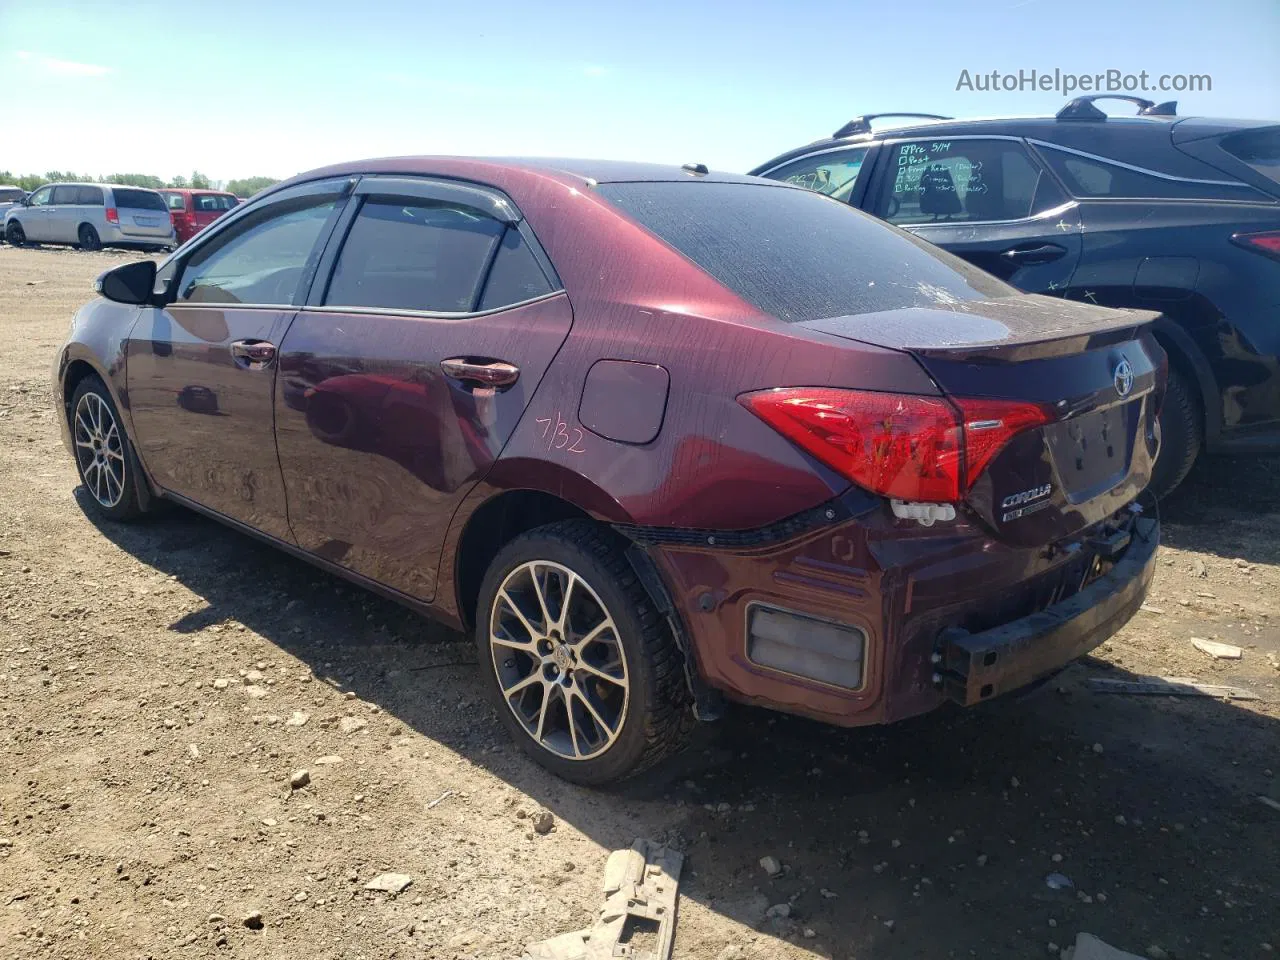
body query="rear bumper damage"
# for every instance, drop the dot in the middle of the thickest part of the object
(852, 616)
(973, 667)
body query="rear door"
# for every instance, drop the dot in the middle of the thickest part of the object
(143, 214)
(986, 199)
(201, 370)
(432, 321)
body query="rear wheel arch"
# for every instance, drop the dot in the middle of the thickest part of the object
(1187, 358)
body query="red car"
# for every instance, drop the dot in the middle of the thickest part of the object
(193, 210)
(656, 436)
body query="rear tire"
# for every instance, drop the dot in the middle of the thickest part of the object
(1181, 434)
(89, 239)
(606, 708)
(15, 234)
(104, 457)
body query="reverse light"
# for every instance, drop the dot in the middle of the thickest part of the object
(902, 446)
(113, 215)
(1267, 243)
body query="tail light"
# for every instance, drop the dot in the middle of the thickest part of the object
(113, 215)
(1162, 382)
(1267, 244)
(898, 445)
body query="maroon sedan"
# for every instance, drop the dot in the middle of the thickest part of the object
(657, 436)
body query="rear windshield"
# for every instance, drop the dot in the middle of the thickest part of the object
(1260, 149)
(213, 201)
(138, 199)
(176, 201)
(796, 254)
(11, 196)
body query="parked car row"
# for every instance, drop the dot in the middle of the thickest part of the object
(661, 437)
(93, 215)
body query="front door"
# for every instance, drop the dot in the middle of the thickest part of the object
(34, 218)
(400, 382)
(985, 199)
(201, 370)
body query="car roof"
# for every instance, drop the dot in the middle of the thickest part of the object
(194, 190)
(1050, 129)
(93, 183)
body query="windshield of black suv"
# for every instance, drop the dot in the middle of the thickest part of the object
(796, 254)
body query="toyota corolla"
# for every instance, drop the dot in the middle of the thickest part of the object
(658, 437)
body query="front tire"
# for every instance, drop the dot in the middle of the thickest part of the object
(582, 669)
(1181, 434)
(89, 239)
(104, 457)
(15, 234)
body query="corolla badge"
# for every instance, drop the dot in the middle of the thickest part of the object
(1123, 377)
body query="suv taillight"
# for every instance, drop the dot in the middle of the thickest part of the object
(898, 445)
(112, 215)
(1268, 243)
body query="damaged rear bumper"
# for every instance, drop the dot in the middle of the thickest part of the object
(973, 667)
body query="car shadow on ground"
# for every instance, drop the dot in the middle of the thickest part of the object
(1228, 506)
(931, 838)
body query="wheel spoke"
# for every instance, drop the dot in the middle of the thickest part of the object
(563, 622)
(524, 622)
(541, 595)
(542, 715)
(597, 672)
(595, 715)
(573, 726)
(521, 685)
(593, 635)
(84, 445)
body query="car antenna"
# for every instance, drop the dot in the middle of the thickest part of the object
(697, 168)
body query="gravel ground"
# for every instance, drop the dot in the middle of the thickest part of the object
(161, 683)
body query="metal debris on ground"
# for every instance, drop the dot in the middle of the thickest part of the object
(1171, 687)
(440, 799)
(638, 920)
(1219, 651)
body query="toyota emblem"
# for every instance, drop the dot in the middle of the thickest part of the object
(1123, 377)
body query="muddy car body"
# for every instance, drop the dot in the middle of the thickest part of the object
(629, 425)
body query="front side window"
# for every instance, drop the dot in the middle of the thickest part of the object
(414, 254)
(945, 181)
(41, 197)
(262, 258)
(833, 174)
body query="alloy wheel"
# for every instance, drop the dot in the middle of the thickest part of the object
(99, 449)
(559, 660)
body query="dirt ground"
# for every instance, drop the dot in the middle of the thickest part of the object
(160, 683)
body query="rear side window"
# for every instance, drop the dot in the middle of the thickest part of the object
(176, 201)
(89, 196)
(515, 275)
(934, 181)
(1260, 149)
(797, 255)
(65, 195)
(213, 201)
(1087, 177)
(414, 255)
(834, 174)
(138, 199)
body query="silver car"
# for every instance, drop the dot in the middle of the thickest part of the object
(9, 195)
(90, 216)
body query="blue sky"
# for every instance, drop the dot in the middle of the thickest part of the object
(238, 88)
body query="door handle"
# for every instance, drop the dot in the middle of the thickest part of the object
(1042, 253)
(253, 354)
(494, 373)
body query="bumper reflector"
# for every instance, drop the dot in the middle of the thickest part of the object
(808, 647)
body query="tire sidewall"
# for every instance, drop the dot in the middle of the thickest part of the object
(1180, 436)
(127, 507)
(619, 760)
(94, 242)
(14, 234)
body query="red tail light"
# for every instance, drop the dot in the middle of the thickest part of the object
(1268, 244)
(113, 215)
(897, 445)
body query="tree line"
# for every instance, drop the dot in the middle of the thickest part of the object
(245, 187)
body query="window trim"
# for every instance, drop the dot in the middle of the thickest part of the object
(343, 186)
(427, 188)
(877, 208)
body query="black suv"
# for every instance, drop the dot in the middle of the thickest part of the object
(1179, 215)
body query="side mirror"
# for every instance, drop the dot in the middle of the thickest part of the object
(131, 283)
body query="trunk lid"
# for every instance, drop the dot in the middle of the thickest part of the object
(1097, 373)
(143, 213)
